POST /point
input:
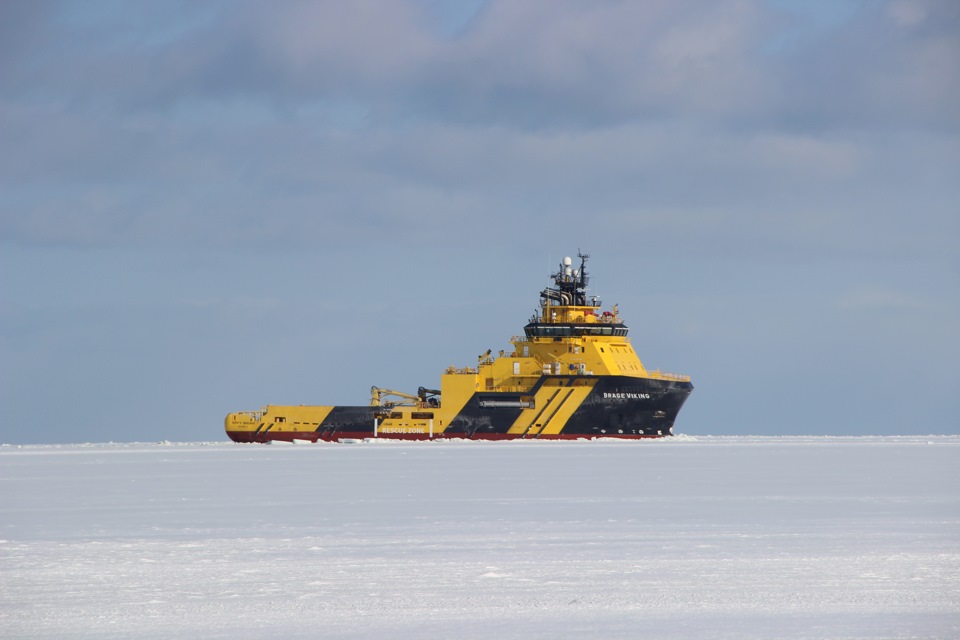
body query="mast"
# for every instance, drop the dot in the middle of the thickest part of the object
(571, 286)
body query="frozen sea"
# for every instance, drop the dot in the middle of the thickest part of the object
(706, 537)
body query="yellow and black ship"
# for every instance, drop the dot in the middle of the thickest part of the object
(573, 374)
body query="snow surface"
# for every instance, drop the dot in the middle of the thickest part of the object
(707, 537)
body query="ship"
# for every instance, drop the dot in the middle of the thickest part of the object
(573, 374)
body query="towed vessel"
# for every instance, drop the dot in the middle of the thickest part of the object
(572, 374)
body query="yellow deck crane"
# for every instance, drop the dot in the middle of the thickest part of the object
(424, 398)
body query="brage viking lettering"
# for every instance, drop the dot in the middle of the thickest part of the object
(627, 396)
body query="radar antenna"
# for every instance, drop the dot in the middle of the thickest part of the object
(571, 284)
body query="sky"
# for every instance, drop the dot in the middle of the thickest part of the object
(209, 207)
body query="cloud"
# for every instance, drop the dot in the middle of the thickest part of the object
(882, 299)
(246, 123)
(907, 13)
(520, 65)
(878, 71)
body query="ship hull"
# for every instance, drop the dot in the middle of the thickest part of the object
(556, 408)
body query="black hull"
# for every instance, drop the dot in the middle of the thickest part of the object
(615, 407)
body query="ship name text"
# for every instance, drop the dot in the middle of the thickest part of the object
(626, 396)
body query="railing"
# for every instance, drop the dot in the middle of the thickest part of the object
(663, 375)
(510, 389)
(461, 370)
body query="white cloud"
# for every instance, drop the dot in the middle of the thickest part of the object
(877, 298)
(906, 13)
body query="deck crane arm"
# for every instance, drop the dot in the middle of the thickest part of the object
(378, 397)
(425, 397)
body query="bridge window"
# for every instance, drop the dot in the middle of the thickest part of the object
(566, 331)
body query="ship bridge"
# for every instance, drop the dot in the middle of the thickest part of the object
(567, 311)
(573, 330)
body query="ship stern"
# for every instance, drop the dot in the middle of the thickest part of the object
(242, 426)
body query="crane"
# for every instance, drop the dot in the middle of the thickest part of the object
(424, 397)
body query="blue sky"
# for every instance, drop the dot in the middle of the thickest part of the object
(207, 207)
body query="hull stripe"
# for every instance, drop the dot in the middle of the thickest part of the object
(547, 428)
(571, 405)
(536, 418)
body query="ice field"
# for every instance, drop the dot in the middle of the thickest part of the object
(706, 537)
